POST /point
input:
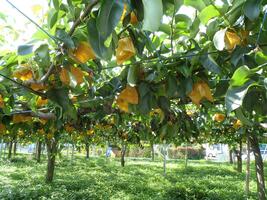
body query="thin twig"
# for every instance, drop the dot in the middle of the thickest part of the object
(222, 14)
(83, 16)
(43, 115)
(175, 56)
(24, 86)
(38, 114)
(43, 78)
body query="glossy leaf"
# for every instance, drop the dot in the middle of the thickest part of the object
(153, 12)
(109, 16)
(25, 49)
(252, 9)
(235, 95)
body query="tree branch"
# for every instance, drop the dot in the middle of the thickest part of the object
(43, 115)
(83, 16)
(24, 86)
(74, 26)
(43, 78)
(38, 113)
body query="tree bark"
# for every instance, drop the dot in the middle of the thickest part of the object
(231, 156)
(186, 156)
(1, 148)
(152, 151)
(164, 158)
(51, 158)
(87, 150)
(259, 166)
(123, 152)
(72, 153)
(239, 157)
(10, 150)
(5, 148)
(247, 167)
(38, 151)
(15, 149)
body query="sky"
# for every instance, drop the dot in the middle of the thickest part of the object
(33, 8)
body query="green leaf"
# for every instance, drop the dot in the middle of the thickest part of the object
(240, 115)
(210, 64)
(235, 95)
(235, 12)
(218, 39)
(52, 18)
(178, 4)
(96, 40)
(208, 13)
(25, 49)
(143, 89)
(165, 28)
(132, 75)
(138, 6)
(252, 9)
(221, 88)
(265, 83)
(240, 76)
(185, 70)
(260, 58)
(238, 54)
(197, 4)
(194, 28)
(60, 97)
(153, 13)
(164, 103)
(56, 4)
(42, 56)
(109, 16)
(65, 38)
(171, 86)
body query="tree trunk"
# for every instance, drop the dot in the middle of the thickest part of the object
(247, 167)
(72, 153)
(87, 150)
(68, 147)
(10, 150)
(38, 151)
(15, 148)
(259, 166)
(164, 158)
(123, 151)
(152, 151)
(239, 157)
(1, 148)
(51, 158)
(231, 156)
(186, 156)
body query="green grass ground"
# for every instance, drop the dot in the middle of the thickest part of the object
(98, 178)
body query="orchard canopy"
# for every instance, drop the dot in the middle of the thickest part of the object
(135, 70)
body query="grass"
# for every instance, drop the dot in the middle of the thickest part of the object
(98, 178)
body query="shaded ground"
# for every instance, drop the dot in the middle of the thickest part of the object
(102, 179)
